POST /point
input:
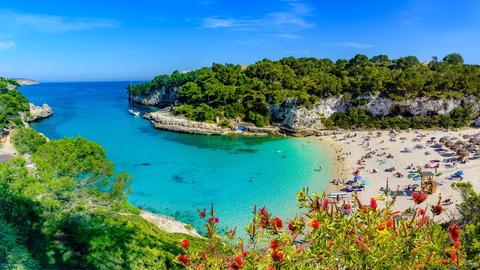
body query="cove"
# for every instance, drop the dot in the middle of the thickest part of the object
(174, 174)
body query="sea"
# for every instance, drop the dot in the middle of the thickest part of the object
(175, 174)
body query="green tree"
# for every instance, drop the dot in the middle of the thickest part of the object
(84, 161)
(27, 140)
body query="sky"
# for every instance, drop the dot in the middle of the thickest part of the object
(95, 40)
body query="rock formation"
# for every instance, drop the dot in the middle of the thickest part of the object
(39, 112)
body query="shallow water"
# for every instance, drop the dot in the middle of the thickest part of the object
(174, 174)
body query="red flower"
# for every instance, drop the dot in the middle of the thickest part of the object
(437, 209)
(454, 233)
(274, 244)
(203, 213)
(277, 223)
(277, 256)
(457, 245)
(231, 233)
(315, 224)
(454, 257)
(419, 197)
(390, 223)
(183, 259)
(325, 204)
(264, 211)
(213, 220)
(347, 206)
(422, 212)
(373, 204)
(237, 263)
(422, 220)
(184, 243)
(292, 227)
(263, 223)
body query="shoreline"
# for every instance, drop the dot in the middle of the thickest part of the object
(339, 168)
(168, 224)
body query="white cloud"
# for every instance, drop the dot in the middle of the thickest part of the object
(14, 22)
(5, 45)
(355, 45)
(279, 23)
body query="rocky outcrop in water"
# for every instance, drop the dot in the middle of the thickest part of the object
(165, 120)
(39, 112)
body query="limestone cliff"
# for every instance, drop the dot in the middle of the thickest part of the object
(298, 118)
(39, 112)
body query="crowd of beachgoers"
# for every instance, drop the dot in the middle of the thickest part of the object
(376, 164)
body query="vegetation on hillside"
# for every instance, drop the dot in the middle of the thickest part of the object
(469, 210)
(12, 104)
(461, 116)
(27, 140)
(72, 212)
(232, 91)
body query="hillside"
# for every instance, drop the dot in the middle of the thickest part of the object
(310, 93)
(63, 207)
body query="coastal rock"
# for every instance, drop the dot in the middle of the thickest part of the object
(165, 120)
(39, 112)
(26, 82)
(301, 118)
(418, 106)
(158, 98)
(294, 118)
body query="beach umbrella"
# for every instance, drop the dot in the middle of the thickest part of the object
(357, 177)
(365, 182)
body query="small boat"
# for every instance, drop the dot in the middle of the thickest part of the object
(134, 113)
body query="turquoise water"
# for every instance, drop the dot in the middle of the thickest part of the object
(174, 174)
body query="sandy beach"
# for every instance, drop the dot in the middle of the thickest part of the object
(168, 224)
(378, 156)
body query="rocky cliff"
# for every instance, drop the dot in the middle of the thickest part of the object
(26, 82)
(157, 98)
(300, 119)
(39, 112)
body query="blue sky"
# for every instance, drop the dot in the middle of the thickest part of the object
(136, 40)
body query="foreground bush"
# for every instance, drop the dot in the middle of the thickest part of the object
(332, 235)
(27, 140)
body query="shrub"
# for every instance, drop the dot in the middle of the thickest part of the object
(27, 140)
(333, 234)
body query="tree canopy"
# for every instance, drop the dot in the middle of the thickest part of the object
(234, 91)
